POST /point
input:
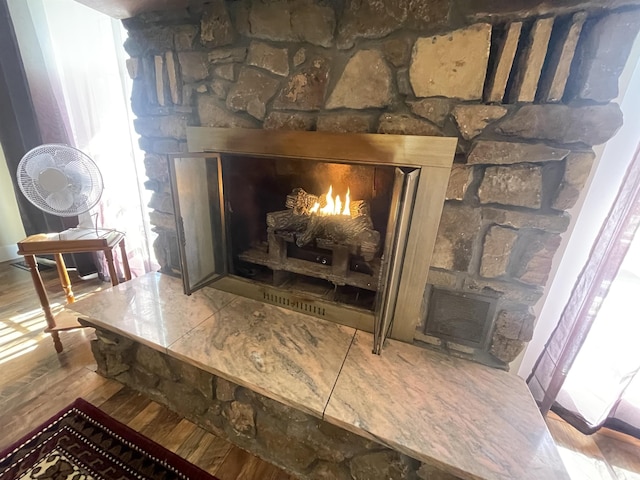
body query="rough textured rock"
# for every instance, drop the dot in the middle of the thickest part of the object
(193, 66)
(441, 278)
(535, 262)
(428, 472)
(297, 20)
(459, 180)
(519, 185)
(527, 71)
(515, 325)
(451, 65)
(183, 36)
(289, 121)
(156, 167)
(216, 29)
(496, 251)
(345, 122)
(516, 219)
(577, 169)
(226, 71)
(365, 83)
(591, 124)
(397, 51)
(305, 89)
(404, 124)
(220, 88)
(501, 153)
(504, 289)
(227, 55)
(604, 53)
(275, 60)
(374, 19)
(506, 349)
(153, 361)
(299, 57)
(161, 201)
(435, 110)
(330, 471)
(388, 465)
(241, 416)
(174, 126)
(505, 54)
(251, 92)
(225, 390)
(472, 119)
(213, 114)
(458, 228)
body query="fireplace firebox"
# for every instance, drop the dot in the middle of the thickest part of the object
(339, 226)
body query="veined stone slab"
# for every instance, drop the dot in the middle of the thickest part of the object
(365, 83)
(472, 119)
(496, 251)
(275, 60)
(590, 124)
(501, 153)
(553, 83)
(506, 55)
(529, 69)
(519, 185)
(451, 65)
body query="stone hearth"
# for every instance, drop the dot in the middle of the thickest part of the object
(307, 394)
(527, 90)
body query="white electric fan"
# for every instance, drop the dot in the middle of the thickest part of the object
(60, 180)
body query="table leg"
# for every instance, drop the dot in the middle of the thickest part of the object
(108, 253)
(44, 300)
(64, 278)
(125, 261)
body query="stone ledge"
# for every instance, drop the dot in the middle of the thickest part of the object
(471, 421)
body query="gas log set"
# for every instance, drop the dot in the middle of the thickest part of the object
(321, 237)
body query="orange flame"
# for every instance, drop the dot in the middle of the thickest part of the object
(333, 207)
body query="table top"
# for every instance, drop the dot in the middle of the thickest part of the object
(73, 240)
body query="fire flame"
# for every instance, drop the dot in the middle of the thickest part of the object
(333, 207)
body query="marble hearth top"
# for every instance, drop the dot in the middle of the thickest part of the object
(470, 420)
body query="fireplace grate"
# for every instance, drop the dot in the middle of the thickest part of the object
(293, 303)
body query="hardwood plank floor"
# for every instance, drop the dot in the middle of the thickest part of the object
(36, 383)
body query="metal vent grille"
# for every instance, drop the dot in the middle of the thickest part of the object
(293, 303)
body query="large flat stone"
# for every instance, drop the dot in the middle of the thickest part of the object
(293, 21)
(306, 88)
(216, 29)
(604, 54)
(577, 169)
(502, 153)
(375, 19)
(405, 124)
(496, 251)
(345, 122)
(519, 185)
(518, 219)
(289, 121)
(435, 110)
(591, 124)
(214, 114)
(451, 65)
(472, 119)
(364, 83)
(251, 92)
(506, 52)
(193, 65)
(534, 265)
(275, 60)
(459, 226)
(459, 181)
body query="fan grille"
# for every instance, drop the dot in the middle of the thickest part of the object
(60, 180)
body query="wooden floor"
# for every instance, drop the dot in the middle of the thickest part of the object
(35, 383)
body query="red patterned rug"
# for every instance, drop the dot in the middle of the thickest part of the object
(85, 443)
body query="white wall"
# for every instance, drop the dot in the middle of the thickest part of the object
(591, 211)
(11, 230)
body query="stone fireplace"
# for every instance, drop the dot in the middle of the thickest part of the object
(363, 264)
(526, 90)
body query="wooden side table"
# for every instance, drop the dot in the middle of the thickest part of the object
(74, 240)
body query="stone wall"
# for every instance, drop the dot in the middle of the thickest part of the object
(301, 444)
(527, 89)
